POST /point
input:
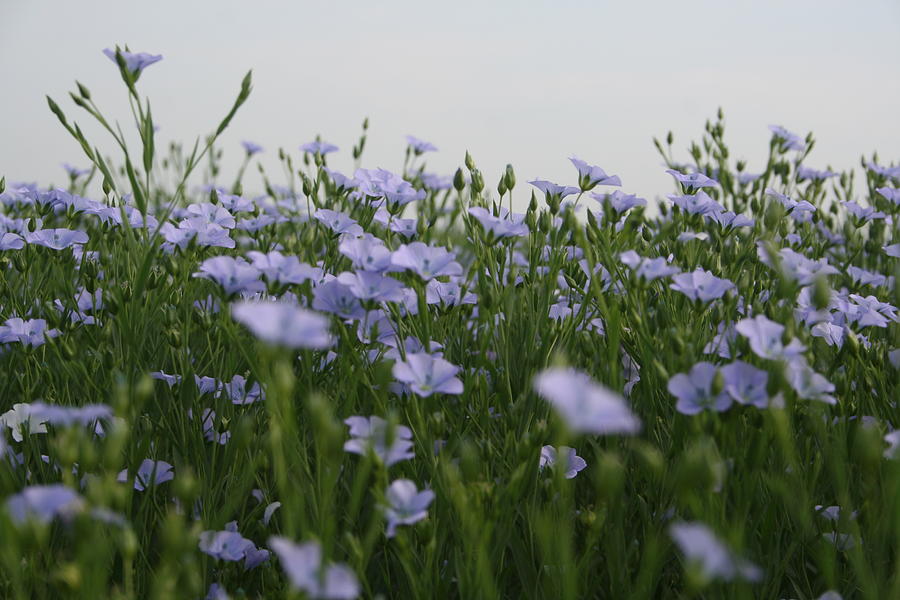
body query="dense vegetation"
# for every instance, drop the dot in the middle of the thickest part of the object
(393, 384)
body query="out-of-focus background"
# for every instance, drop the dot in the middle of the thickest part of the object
(529, 83)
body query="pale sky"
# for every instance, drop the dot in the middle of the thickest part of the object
(529, 83)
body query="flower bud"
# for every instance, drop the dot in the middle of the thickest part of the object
(470, 162)
(459, 181)
(510, 177)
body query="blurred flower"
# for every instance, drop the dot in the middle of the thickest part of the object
(585, 406)
(251, 148)
(405, 504)
(809, 384)
(695, 180)
(791, 141)
(43, 503)
(764, 336)
(284, 324)
(420, 146)
(373, 434)
(426, 375)
(703, 550)
(302, 563)
(319, 147)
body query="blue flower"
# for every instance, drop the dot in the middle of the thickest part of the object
(425, 375)
(284, 324)
(405, 504)
(302, 563)
(585, 406)
(134, 61)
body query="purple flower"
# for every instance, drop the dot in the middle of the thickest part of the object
(151, 473)
(809, 384)
(891, 194)
(11, 241)
(405, 504)
(790, 141)
(729, 220)
(283, 324)
(283, 269)
(694, 390)
(552, 190)
(340, 181)
(647, 268)
(746, 384)
(863, 213)
(869, 311)
(619, 200)
(796, 266)
(43, 503)
(747, 178)
(336, 298)
(32, 332)
(368, 285)
(585, 406)
(703, 550)
(692, 180)
(425, 374)
(700, 285)
(367, 253)
(372, 434)
(75, 172)
(319, 147)
(804, 172)
(447, 294)
(427, 261)
(65, 416)
(500, 227)
(792, 206)
(338, 222)
(696, 204)
(302, 563)
(573, 463)
(56, 239)
(251, 148)
(206, 213)
(381, 183)
(831, 333)
(764, 336)
(134, 61)
(590, 176)
(236, 390)
(233, 274)
(420, 146)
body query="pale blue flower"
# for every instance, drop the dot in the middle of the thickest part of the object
(405, 504)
